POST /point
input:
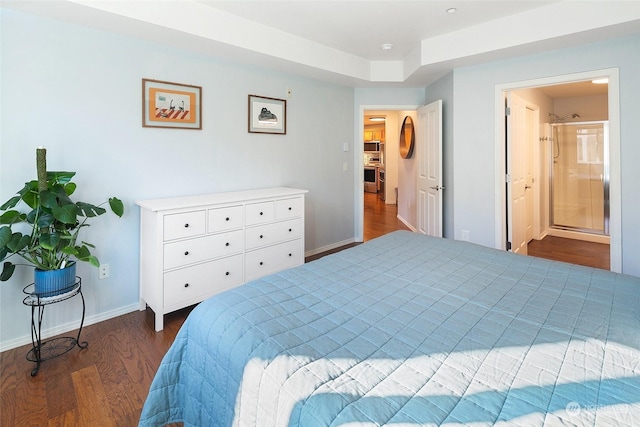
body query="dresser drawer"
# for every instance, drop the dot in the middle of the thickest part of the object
(188, 224)
(289, 208)
(200, 281)
(269, 234)
(259, 213)
(193, 247)
(223, 219)
(190, 251)
(272, 259)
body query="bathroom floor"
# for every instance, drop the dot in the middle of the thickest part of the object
(573, 251)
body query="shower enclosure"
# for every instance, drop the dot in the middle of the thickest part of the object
(580, 176)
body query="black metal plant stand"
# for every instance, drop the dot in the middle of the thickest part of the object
(46, 350)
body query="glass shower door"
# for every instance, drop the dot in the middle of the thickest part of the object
(580, 177)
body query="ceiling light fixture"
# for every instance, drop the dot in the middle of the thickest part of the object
(377, 119)
(601, 81)
(386, 46)
(452, 10)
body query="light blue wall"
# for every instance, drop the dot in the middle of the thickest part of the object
(473, 128)
(77, 91)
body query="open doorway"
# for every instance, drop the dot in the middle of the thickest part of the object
(392, 175)
(381, 171)
(580, 105)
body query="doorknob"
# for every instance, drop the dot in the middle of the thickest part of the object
(526, 187)
(437, 187)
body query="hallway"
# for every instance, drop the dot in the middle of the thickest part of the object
(379, 218)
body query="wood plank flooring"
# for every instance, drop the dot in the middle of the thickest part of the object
(379, 217)
(106, 384)
(103, 385)
(591, 254)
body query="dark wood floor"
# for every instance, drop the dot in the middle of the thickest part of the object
(102, 385)
(379, 218)
(573, 251)
(106, 384)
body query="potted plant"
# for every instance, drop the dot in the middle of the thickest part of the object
(47, 235)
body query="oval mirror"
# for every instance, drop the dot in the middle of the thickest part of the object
(407, 138)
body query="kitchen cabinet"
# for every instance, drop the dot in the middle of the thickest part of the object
(194, 247)
(374, 135)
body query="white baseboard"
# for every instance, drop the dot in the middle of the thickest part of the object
(329, 247)
(595, 238)
(70, 326)
(411, 227)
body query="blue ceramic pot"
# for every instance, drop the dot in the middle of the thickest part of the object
(49, 283)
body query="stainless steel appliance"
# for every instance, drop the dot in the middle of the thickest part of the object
(370, 179)
(381, 183)
(372, 158)
(372, 146)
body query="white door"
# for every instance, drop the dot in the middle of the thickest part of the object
(429, 152)
(519, 175)
(529, 118)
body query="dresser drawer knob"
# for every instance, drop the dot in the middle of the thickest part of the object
(226, 244)
(261, 236)
(186, 252)
(186, 285)
(289, 207)
(261, 262)
(186, 225)
(261, 213)
(290, 255)
(227, 273)
(226, 219)
(289, 230)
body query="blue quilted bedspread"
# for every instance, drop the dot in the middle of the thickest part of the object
(409, 330)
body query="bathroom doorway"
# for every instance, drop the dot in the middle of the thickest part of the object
(586, 154)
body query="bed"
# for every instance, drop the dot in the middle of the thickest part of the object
(409, 330)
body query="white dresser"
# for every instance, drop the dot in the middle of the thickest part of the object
(196, 246)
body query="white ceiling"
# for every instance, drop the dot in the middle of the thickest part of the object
(361, 27)
(569, 90)
(339, 40)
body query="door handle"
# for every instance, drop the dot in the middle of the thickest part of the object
(437, 187)
(526, 187)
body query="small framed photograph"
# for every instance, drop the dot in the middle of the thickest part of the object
(267, 115)
(171, 105)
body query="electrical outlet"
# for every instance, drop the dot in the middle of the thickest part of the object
(103, 271)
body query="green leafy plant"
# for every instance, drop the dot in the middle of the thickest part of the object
(54, 221)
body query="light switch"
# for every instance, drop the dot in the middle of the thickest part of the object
(345, 146)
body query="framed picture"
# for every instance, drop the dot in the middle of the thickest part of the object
(267, 115)
(171, 105)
